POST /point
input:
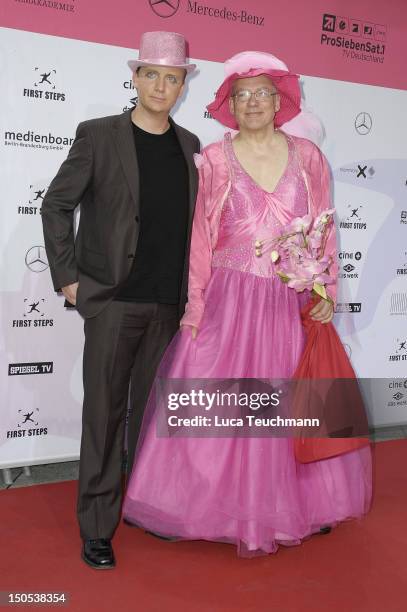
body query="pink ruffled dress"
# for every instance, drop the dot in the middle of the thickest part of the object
(250, 492)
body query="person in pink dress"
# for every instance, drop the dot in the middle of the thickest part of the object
(242, 321)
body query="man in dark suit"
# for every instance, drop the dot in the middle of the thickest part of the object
(127, 269)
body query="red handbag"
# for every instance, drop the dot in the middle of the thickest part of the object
(337, 398)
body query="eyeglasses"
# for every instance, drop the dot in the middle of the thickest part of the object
(244, 95)
(152, 75)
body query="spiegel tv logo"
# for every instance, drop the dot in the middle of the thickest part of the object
(348, 307)
(24, 369)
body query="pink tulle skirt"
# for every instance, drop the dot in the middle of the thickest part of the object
(247, 491)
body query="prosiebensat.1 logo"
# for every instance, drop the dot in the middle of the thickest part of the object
(357, 40)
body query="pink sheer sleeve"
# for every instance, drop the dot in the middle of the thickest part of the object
(323, 202)
(200, 259)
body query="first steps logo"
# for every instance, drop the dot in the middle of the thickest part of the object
(28, 425)
(357, 39)
(34, 200)
(400, 353)
(44, 86)
(354, 218)
(34, 315)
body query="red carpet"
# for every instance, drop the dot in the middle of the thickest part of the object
(360, 566)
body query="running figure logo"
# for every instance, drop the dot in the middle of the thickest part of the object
(45, 78)
(38, 194)
(27, 417)
(32, 307)
(354, 213)
(402, 346)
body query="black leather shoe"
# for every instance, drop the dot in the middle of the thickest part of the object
(98, 553)
(325, 530)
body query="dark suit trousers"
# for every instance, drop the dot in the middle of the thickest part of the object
(124, 342)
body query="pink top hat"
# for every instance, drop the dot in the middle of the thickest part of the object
(162, 49)
(251, 64)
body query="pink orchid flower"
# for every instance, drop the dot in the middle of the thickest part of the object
(300, 224)
(324, 217)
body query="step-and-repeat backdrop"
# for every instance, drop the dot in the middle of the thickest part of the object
(63, 62)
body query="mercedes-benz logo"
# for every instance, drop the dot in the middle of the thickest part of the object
(363, 123)
(164, 8)
(36, 259)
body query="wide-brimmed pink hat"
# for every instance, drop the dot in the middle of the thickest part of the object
(162, 49)
(252, 64)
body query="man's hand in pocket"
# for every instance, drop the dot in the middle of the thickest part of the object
(69, 292)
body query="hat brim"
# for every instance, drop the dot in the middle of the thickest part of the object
(286, 83)
(134, 64)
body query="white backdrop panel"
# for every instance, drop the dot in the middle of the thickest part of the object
(49, 85)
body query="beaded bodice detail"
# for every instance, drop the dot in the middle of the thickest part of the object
(251, 213)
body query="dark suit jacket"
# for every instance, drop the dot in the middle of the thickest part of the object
(101, 173)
